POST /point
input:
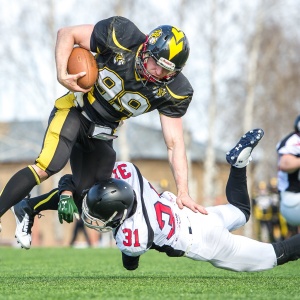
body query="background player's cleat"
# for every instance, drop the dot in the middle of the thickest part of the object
(240, 155)
(24, 215)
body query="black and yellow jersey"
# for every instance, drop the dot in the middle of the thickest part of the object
(119, 93)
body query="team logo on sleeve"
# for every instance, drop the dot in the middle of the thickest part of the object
(159, 92)
(119, 59)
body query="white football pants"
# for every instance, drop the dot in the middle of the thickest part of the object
(212, 241)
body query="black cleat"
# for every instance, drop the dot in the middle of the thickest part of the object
(240, 155)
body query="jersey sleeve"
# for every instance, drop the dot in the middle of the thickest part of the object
(112, 33)
(290, 146)
(179, 95)
(66, 184)
(132, 236)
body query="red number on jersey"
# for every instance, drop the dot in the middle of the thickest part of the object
(129, 235)
(160, 210)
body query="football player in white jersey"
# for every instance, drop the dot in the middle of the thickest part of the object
(141, 219)
(288, 150)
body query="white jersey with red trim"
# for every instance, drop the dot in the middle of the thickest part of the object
(135, 236)
(162, 226)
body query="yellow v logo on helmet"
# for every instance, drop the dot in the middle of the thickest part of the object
(176, 43)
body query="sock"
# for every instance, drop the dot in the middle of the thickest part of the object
(17, 188)
(237, 191)
(287, 250)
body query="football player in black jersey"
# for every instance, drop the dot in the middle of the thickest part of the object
(138, 73)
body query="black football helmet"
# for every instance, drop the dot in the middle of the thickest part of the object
(297, 124)
(107, 204)
(169, 47)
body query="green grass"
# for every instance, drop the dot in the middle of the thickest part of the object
(66, 273)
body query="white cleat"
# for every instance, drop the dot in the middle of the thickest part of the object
(24, 216)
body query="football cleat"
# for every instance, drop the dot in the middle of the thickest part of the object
(240, 155)
(24, 215)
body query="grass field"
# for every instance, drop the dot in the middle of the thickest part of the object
(66, 273)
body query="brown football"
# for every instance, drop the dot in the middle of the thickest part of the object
(82, 60)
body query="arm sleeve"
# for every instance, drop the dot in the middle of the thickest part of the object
(178, 97)
(130, 263)
(114, 30)
(101, 30)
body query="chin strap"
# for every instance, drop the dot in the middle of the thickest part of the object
(124, 216)
(145, 43)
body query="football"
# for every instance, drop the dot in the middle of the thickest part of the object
(82, 60)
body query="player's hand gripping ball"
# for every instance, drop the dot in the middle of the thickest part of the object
(82, 60)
